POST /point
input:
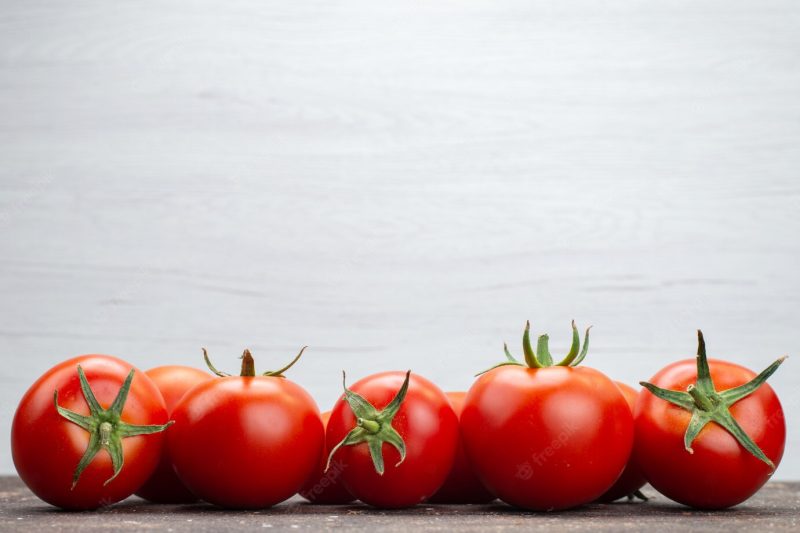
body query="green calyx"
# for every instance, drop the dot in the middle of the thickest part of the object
(106, 429)
(373, 427)
(541, 358)
(249, 365)
(709, 405)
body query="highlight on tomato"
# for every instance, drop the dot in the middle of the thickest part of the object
(397, 436)
(632, 478)
(88, 432)
(709, 433)
(462, 484)
(248, 441)
(547, 436)
(325, 486)
(173, 381)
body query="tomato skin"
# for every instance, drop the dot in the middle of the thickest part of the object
(632, 478)
(326, 487)
(173, 381)
(720, 473)
(245, 442)
(548, 438)
(46, 448)
(426, 422)
(462, 484)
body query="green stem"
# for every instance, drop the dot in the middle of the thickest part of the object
(279, 373)
(248, 368)
(371, 426)
(700, 399)
(543, 349)
(530, 356)
(709, 405)
(542, 358)
(105, 427)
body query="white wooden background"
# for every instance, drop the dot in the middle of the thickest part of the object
(398, 185)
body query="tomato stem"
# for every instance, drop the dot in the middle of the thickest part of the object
(708, 405)
(700, 399)
(543, 349)
(248, 364)
(530, 356)
(105, 427)
(105, 433)
(373, 427)
(248, 368)
(542, 357)
(279, 373)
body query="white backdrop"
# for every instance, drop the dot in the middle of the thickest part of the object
(398, 185)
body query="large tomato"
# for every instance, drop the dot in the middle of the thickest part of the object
(87, 433)
(632, 478)
(397, 436)
(461, 485)
(547, 437)
(709, 434)
(173, 381)
(325, 485)
(247, 441)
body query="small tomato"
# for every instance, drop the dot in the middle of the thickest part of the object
(709, 433)
(397, 436)
(247, 441)
(88, 432)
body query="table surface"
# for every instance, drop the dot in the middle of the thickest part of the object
(776, 507)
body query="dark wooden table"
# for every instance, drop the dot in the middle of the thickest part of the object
(776, 508)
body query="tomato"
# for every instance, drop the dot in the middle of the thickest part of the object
(247, 441)
(632, 478)
(546, 437)
(397, 436)
(71, 454)
(173, 382)
(709, 433)
(461, 485)
(325, 486)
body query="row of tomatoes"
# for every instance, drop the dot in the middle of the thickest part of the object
(539, 434)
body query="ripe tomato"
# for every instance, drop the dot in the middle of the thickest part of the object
(632, 478)
(415, 419)
(101, 403)
(325, 486)
(461, 485)
(547, 437)
(247, 441)
(173, 382)
(701, 464)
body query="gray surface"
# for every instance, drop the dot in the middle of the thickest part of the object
(398, 184)
(776, 507)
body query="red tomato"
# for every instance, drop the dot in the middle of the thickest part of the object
(719, 471)
(325, 486)
(246, 441)
(462, 484)
(173, 382)
(425, 423)
(632, 478)
(47, 443)
(547, 437)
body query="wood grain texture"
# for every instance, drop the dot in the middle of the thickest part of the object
(774, 508)
(398, 185)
